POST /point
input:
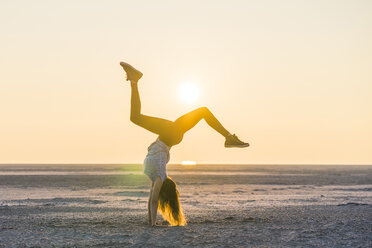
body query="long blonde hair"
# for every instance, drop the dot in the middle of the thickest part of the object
(169, 203)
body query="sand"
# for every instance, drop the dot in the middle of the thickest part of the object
(226, 206)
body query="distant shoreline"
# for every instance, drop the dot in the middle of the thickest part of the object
(198, 164)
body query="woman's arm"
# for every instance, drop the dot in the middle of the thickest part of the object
(149, 206)
(154, 202)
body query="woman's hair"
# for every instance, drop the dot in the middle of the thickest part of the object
(169, 203)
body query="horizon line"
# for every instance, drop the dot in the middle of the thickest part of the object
(337, 164)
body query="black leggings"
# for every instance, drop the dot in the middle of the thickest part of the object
(171, 132)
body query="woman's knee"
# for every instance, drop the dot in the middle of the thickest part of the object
(204, 111)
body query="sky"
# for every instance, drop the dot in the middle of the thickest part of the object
(292, 78)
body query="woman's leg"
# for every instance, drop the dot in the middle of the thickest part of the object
(172, 132)
(189, 120)
(152, 124)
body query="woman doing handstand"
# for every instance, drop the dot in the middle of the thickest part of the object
(164, 194)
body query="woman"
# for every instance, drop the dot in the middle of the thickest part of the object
(164, 194)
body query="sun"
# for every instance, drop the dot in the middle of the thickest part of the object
(188, 92)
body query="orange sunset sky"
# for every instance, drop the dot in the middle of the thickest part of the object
(293, 78)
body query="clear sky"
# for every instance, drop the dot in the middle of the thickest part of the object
(293, 78)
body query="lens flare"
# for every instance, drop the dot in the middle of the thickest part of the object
(188, 163)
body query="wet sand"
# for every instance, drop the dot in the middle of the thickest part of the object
(226, 206)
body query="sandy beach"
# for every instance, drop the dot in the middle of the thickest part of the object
(226, 206)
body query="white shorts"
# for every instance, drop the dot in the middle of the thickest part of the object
(155, 163)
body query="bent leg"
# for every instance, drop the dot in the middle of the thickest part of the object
(189, 120)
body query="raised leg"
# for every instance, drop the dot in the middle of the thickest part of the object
(189, 120)
(171, 133)
(153, 124)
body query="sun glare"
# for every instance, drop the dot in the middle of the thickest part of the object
(188, 92)
(188, 163)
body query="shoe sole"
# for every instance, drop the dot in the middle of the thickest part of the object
(238, 146)
(123, 64)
